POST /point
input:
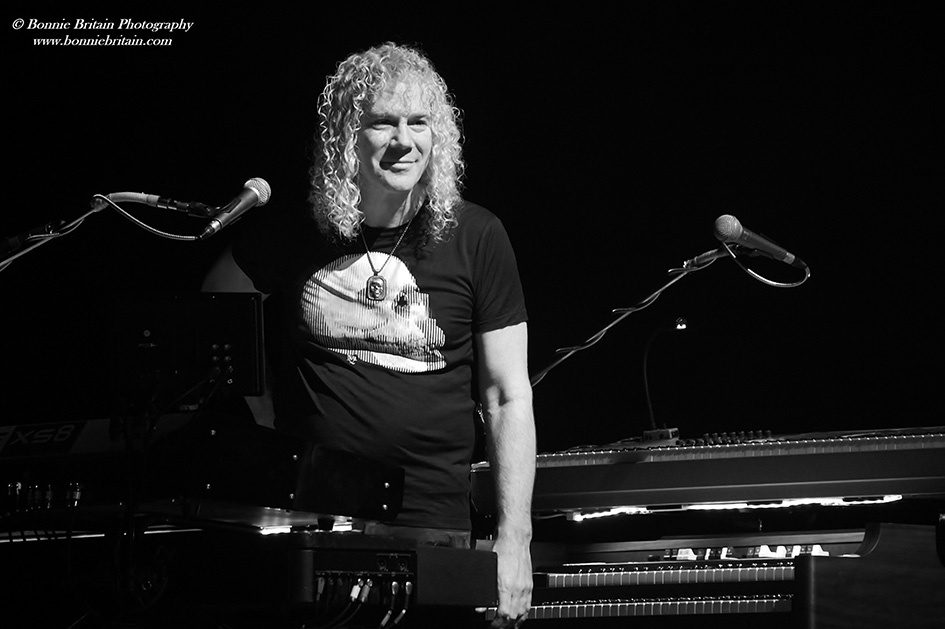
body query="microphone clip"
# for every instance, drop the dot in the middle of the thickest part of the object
(190, 208)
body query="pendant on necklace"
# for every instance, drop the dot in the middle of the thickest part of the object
(376, 288)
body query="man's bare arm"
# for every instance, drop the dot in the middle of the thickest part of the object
(506, 396)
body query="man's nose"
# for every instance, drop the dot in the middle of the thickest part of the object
(402, 136)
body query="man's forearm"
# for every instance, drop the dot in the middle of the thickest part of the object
(512, 458)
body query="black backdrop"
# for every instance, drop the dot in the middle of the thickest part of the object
(608, 144)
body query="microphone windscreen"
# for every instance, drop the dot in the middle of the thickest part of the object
(727, 228)
(261, 188)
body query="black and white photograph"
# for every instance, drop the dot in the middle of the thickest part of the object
(458, 316)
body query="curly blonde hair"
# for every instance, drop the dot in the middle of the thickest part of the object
(335, 195)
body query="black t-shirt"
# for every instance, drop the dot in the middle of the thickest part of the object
(394, 379)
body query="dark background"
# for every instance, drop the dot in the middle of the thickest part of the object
(607, 143)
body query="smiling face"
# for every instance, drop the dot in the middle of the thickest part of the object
(394, 142)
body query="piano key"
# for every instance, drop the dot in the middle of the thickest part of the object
(657, 607)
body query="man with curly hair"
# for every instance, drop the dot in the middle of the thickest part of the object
(403, 310)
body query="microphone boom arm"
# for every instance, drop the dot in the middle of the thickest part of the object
(105, 201)
(42, 240)
(99, 202)
(695, 264)
(622, 313)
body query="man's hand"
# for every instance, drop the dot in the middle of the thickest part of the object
(515, 581)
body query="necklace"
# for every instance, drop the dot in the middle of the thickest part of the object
(376, 285)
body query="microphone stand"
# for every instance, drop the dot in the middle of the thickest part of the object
(40, 240)
(695, 264)
(689, 266)
(99, 202)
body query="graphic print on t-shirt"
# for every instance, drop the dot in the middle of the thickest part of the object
(399, 332)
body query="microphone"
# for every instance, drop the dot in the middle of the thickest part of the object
(729, 230)
(255, 192)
